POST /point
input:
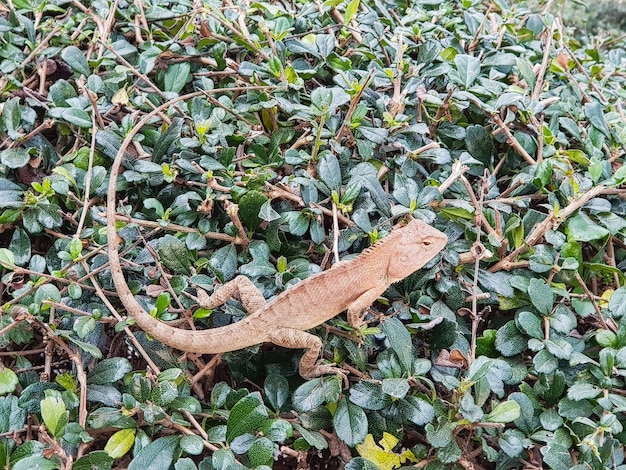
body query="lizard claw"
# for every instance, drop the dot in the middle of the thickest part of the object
(328, 369)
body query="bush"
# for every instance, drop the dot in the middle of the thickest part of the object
(245, 134)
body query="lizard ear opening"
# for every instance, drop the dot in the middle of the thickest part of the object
(404, 260)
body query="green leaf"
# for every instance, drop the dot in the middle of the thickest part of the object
(223, 262)
(581, 228)
(530, 324)
(8, 381)
(563, 319)
(87, 347)
(480, 144)
(550, 420)
(583, 391)
(416, 410)
(541, 296)
(158, 455)
(527, 420)
(152, 203)
(350, 423)
(470, 411)
(351, 9)
(504, 412)
(247, 414)
(542, 260)
(96, 460)
(369, 396)
(192, 444)
(109, 371)
(75, 248)
(467, 68)
(594, 113)
(262, 452)
(250, 206)
(106, 394)
(511, 442)
(617, 302)
(7, 258)
(276, 390)
(12, 116)
(120, 443)
(163, 393)
(54, 415)
(78, 117)
(224, 459)
(175, 77)
(543, 173)
(479, 368)
(20, 247)
(400, 340)
(174, 255)
(47, 292)
(509, 340)
(557, 457)
(83, 326)
(313, 438)
(195, 241)
(15, 157)
(171, 135)
(35, 462)
(185, 464)
(162, 302)
(329, 171)
(545, 363)
(315, 392)
(60, 92)
(75, 292)
(397, 388)
(440, 435)
(297, 221)
(75, 58)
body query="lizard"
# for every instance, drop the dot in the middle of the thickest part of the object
(351, 285)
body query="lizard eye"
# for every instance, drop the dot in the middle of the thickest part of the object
(427, 243)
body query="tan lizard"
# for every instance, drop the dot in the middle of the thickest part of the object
(349, 285)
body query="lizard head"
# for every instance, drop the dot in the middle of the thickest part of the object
(416, 244)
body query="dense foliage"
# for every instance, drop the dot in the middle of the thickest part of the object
(486, 119)
(600, 22)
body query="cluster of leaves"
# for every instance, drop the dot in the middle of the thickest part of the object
(484, 119)
(598, 22)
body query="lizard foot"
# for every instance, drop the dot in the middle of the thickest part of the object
(328, 369)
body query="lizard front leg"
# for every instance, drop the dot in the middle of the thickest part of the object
(249, 294)
(310, 366)
(355, 318)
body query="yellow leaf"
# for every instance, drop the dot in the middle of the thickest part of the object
(120, 98)
(606, 296)
(384, 458)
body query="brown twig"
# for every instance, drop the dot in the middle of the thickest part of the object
(590, 297)
(552, 221)
(275, 192)
(511, 140)
(544, 63)
(353, 104)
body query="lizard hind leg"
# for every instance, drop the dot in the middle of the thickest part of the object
(249, 295)
(310, 366)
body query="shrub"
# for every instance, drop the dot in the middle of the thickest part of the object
(250, 131)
